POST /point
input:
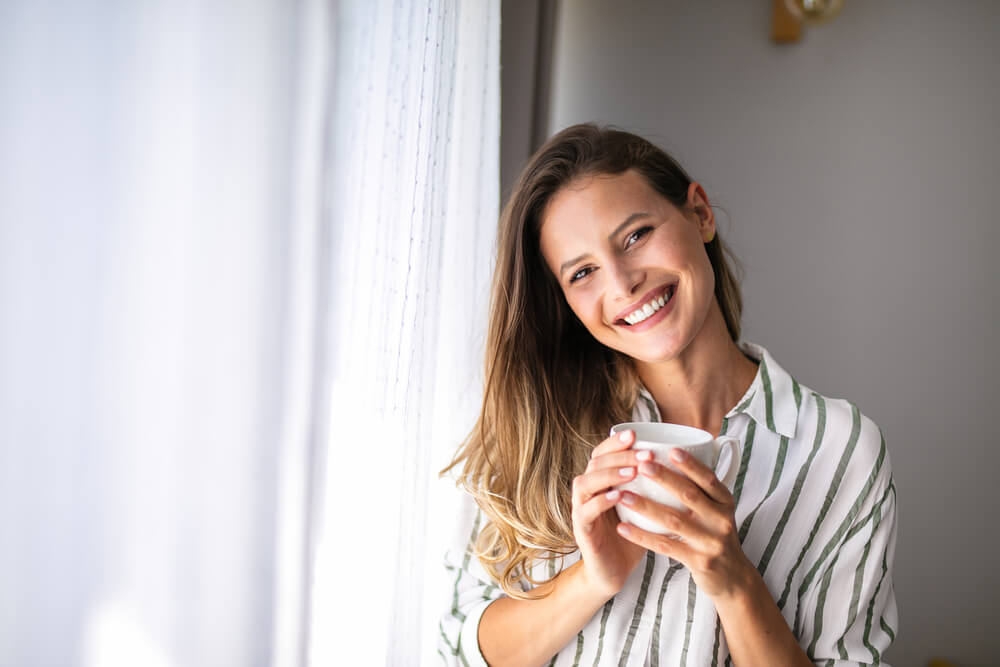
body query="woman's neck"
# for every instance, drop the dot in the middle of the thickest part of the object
(701, 385)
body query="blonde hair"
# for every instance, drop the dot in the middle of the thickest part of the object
(552, 392)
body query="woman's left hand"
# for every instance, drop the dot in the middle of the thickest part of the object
(708, 541)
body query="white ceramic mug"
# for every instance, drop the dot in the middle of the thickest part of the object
(660, 438)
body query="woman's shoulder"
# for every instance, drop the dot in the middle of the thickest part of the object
(850, 444)
(842, 416)
(797, 409)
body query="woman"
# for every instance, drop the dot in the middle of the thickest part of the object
(613, 301)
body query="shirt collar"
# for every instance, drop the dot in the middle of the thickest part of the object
(772, 400)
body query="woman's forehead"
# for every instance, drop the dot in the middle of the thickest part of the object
(599, 202)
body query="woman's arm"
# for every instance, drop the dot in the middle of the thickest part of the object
(756, 631)
(529, 632)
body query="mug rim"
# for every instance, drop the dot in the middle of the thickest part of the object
(703, 436)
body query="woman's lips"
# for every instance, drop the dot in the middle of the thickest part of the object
(646, 298)
(670, 291)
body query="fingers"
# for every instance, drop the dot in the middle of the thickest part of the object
(587, 513)
(713, 506)
(629, 457)
(695, 483)
(668, 545)
(612, 463)
(701, 475)
(679, 523)
(614, 443)
(589, 484)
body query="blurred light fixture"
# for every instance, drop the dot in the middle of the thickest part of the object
(814, 11)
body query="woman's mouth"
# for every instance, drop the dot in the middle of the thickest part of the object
(655, 308)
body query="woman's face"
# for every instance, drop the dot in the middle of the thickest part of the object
(632, 266)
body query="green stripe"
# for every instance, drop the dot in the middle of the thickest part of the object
(779, 464)
(579, 649)
(692, 595)
(768, 396)
(457, 649)
(856, 592)
(715, 647)
(859, 525)
(639, 608)
(743, 406)
(600, 637)
(827, 501)
(552, 663)
(886, 629)
(871, 608)
(876, 656)
(744, 462)
(461, 653)
(654, 412)
(875, 516)
(465, 564)
(797, 487)
(654, 656)
(797, 393)
(444, 636)
(820, 607)
(844, 526)
(718, 626)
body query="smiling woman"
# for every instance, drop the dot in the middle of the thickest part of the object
(615, 286)
(613, 301)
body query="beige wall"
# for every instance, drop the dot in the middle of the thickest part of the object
(856, 175)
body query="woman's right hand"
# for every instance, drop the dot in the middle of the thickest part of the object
(607, 558)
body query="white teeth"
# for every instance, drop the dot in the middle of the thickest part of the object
(648, 309)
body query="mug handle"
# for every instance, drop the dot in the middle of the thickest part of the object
(735, 451)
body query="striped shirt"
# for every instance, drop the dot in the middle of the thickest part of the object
(815, 508)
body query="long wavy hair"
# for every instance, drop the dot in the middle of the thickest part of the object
(552, 391)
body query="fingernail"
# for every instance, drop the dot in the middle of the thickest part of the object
(624, 529)
(644, 455)
(624, 436)
(612, 494)
(678, 455)
(647, 469)
(628, 499)
(626, 472)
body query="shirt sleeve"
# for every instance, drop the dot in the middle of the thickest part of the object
(472, 591)
(849, 615)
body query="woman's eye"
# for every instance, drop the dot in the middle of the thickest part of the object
(636, 235)
(582, 273)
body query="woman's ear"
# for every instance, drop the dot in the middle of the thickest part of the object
(702, 210)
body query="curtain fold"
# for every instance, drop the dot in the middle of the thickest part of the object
(413, 185)
(244, 261)
(144, 263)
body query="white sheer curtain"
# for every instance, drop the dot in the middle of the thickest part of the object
(414, 178)
(244, 254)
(147, 254)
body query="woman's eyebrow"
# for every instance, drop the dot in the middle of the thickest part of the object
(628, 221)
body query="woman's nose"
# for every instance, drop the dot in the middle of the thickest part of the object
(626, 280)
